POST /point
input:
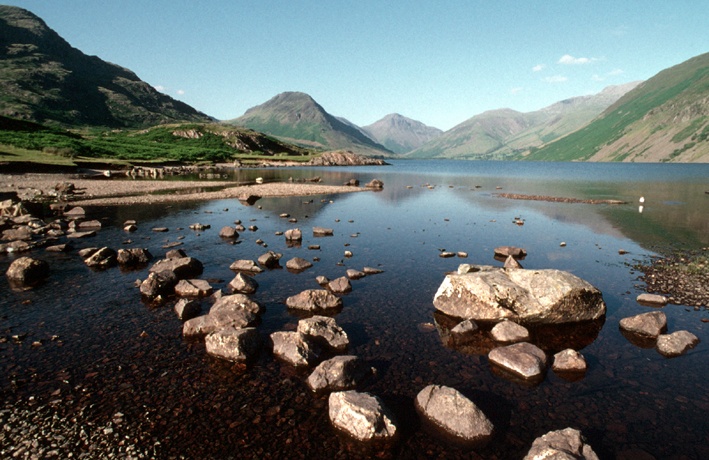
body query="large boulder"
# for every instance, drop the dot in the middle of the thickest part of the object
(361, 415)
(338, 374)
(233, 344)
(522, 359)
(486, 293)
(447, 409)
(27, 272)
(567, 444)
(313, 300)
(325, 331)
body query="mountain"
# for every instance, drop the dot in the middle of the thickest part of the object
(44, 79)
(666, 118)
(296, 117)
(401, 134)
(505, 133)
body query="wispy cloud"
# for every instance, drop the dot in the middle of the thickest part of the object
(538, 67)
(555, 79)
(516, 90)
(180, 92)
(570, 60)
(160, 88)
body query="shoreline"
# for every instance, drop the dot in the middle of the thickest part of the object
(116, 192)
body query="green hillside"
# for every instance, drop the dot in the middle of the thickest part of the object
(665, 118)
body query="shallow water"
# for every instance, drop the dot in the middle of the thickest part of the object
(103, 351)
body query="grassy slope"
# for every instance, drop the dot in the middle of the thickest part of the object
(671, 89)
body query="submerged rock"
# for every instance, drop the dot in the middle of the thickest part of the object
(361, 415)
(456, 415)
(485, 293)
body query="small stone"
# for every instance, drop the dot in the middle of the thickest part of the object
(509, 332)
(361, 415)
(676, 344)
(569, 360)
(653, 300)
(649, 324)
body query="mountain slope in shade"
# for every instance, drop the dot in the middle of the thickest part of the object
(506, 133)
(44, 79)
(666, 118)
(401, 134)
(296, 117)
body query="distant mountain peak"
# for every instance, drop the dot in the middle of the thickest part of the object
(401, 134)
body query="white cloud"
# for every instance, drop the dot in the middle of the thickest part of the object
(538, 67)
(555, 79)
(570, 60)
(516, 90)
(180, 92)
(160, 88)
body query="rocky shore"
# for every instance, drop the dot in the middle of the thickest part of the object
(682, 276)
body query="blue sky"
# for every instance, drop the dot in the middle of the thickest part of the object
(437, 62)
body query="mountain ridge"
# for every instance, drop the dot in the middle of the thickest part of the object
(401, 134)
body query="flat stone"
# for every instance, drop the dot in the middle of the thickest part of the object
(676, 344)
(509, 332)
(236, 302)
(206, 324)
(522, 359)
(182, 267)
(372, 271)
(298, 264)
(314, 299)
(649, 324)
(321, 231)
(340, 285)
(456, 415)
(245, 266)
(506, 251)
(193, 288)
(361, 415)
(654, 300)
(355, 274)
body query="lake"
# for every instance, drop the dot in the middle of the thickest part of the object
(112, 375)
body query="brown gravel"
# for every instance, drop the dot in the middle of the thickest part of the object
(128, 191)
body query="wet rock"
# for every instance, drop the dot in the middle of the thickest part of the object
(248, 199)
(130, 228)
(27, 272)
(649, 324)
(245, 265)
(355, 274)
(352, 183)
(322, 231)
(322, 280)
(175, 254)
(228, 233)
(676, 344)
(75, 212)
(324, 331)
(23, 233)
(187, 309)
(103, 258)
(339, 285)
(652, 300)
(446, 254)
(522, 359)
(294, 348)
(133, 257)
(193, 288)
(158, 284)
(562, 444)
(507, 251)
(85, 224)
(160, 229)
(236, 302)
(314, 299)
(298, 264)
(361, 415)
(463, 332)
(372, 271)
(182, 267)
(569, 361)
(270, 259)
(236, 345)
(509, 332)
(64, 247)
(447, 409)
(338, 374)
(487, 293)
(243, 284)
(375, 184)
(293, 234)
(77, 235)
(214, 321)
(200, 227)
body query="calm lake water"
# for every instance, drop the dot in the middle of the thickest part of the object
(105, 352)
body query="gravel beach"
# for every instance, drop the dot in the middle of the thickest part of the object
(108, 192)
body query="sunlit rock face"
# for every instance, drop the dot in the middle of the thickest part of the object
(487, 293)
